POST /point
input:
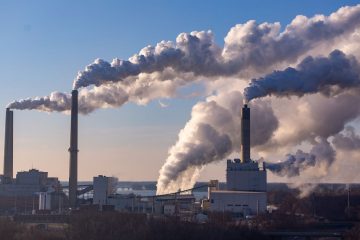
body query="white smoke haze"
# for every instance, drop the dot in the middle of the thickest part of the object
(346, 167)
(305, 170)
(347, 140)
(301, 120)
(212, 133)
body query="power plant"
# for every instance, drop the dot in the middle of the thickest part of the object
(246, 182)
(244, 194)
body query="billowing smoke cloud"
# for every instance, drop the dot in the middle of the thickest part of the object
(293, 164)
(249, 45)
(89, 100)
(146, 89)
(322, 154)
(56, 101)
(212, 133)
(302, 120)
(312, 75)
(348, 140)
(249, 49)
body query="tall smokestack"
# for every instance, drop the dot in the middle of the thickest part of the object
(245, 134)
(8, 146)
(73, 150)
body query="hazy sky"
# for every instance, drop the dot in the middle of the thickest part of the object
(43, 44)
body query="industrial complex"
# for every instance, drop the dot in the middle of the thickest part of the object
(244, 194)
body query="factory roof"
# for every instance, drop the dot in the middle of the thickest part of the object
(236, 192)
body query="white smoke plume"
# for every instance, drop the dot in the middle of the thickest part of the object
(325, 75)
(293, 165)
(249, 49)
(89, 100)
(249, 45)
(212, 133)
(144, 89)
(348, 140)
(322, 155)
(302, 120)
(246, 45)
(56, 101)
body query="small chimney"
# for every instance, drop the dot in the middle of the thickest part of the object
(245, 134)
(8, 146)
(73, 150)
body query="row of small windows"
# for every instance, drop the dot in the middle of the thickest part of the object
(237, 205)
(232, 205)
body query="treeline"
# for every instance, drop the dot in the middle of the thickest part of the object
(127, 226)
(113, 225)
(329, 205)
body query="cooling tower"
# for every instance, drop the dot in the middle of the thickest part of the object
(73, 150)
(245, 134)
(8, 146)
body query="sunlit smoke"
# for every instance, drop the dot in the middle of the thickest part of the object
(326, 75)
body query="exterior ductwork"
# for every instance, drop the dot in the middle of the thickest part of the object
(73, 150)
(245, 134)
(8, 146)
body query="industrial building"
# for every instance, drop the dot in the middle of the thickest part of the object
(35, 183)
(245, 192)
(26, 183)
(32, 186)
(103, 188)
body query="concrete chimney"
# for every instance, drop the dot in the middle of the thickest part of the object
(73, 150)
(8, 146)
(245, 134)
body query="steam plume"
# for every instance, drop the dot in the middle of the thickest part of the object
(249, 49)
(312, 75)
(89, 100)
(322, 153)
(212, 133)
(293, 164)
(248, 45)
(348, 140)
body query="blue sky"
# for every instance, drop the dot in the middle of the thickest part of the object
(43, 44)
